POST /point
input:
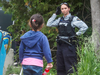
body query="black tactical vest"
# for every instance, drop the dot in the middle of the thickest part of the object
(65, 28)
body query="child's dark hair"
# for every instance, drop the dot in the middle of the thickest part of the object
(65, 4)
(36, 21)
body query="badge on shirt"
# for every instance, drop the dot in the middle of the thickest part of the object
(78, 19)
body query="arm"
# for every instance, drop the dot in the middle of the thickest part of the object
(46, 49)
(21, 51)
(52, 22)
(80, 24)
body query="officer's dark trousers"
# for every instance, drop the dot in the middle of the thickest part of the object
(66, 59)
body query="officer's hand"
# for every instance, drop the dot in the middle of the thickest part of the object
(58, 11)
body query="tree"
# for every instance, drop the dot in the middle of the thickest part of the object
(95, 11)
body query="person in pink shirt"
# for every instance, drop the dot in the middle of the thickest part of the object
(34, 45)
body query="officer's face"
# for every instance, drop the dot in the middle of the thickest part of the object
(64, 9)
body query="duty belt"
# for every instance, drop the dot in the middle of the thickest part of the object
(66, 39)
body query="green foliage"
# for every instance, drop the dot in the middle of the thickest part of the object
(0, 4)
(51, 34)
(88, 32)
(88, 63)
(13, 70)
(22, 10)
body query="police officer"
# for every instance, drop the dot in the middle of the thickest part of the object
(66, 51)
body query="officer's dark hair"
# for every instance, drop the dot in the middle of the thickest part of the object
(65, 4)
(36, 21)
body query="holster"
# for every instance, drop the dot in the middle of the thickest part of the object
(58, 40)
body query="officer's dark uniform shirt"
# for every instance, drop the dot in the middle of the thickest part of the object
(76, 22)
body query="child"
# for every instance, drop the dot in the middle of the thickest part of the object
(34, 45)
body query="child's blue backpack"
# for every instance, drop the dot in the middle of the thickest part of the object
(5, 44)
(7, 38)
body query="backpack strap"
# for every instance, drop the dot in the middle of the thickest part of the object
(1, 41)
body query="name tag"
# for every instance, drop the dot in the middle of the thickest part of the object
(65, 24)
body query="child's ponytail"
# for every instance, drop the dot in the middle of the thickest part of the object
(36, 21)
(34, 24)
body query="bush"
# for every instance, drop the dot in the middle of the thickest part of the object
(13, 70)
(88, 63)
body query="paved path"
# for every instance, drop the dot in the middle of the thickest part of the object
(9, 60)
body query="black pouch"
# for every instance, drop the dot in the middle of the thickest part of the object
(58, 40)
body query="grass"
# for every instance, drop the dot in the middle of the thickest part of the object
(88, 63)
(13, 70)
